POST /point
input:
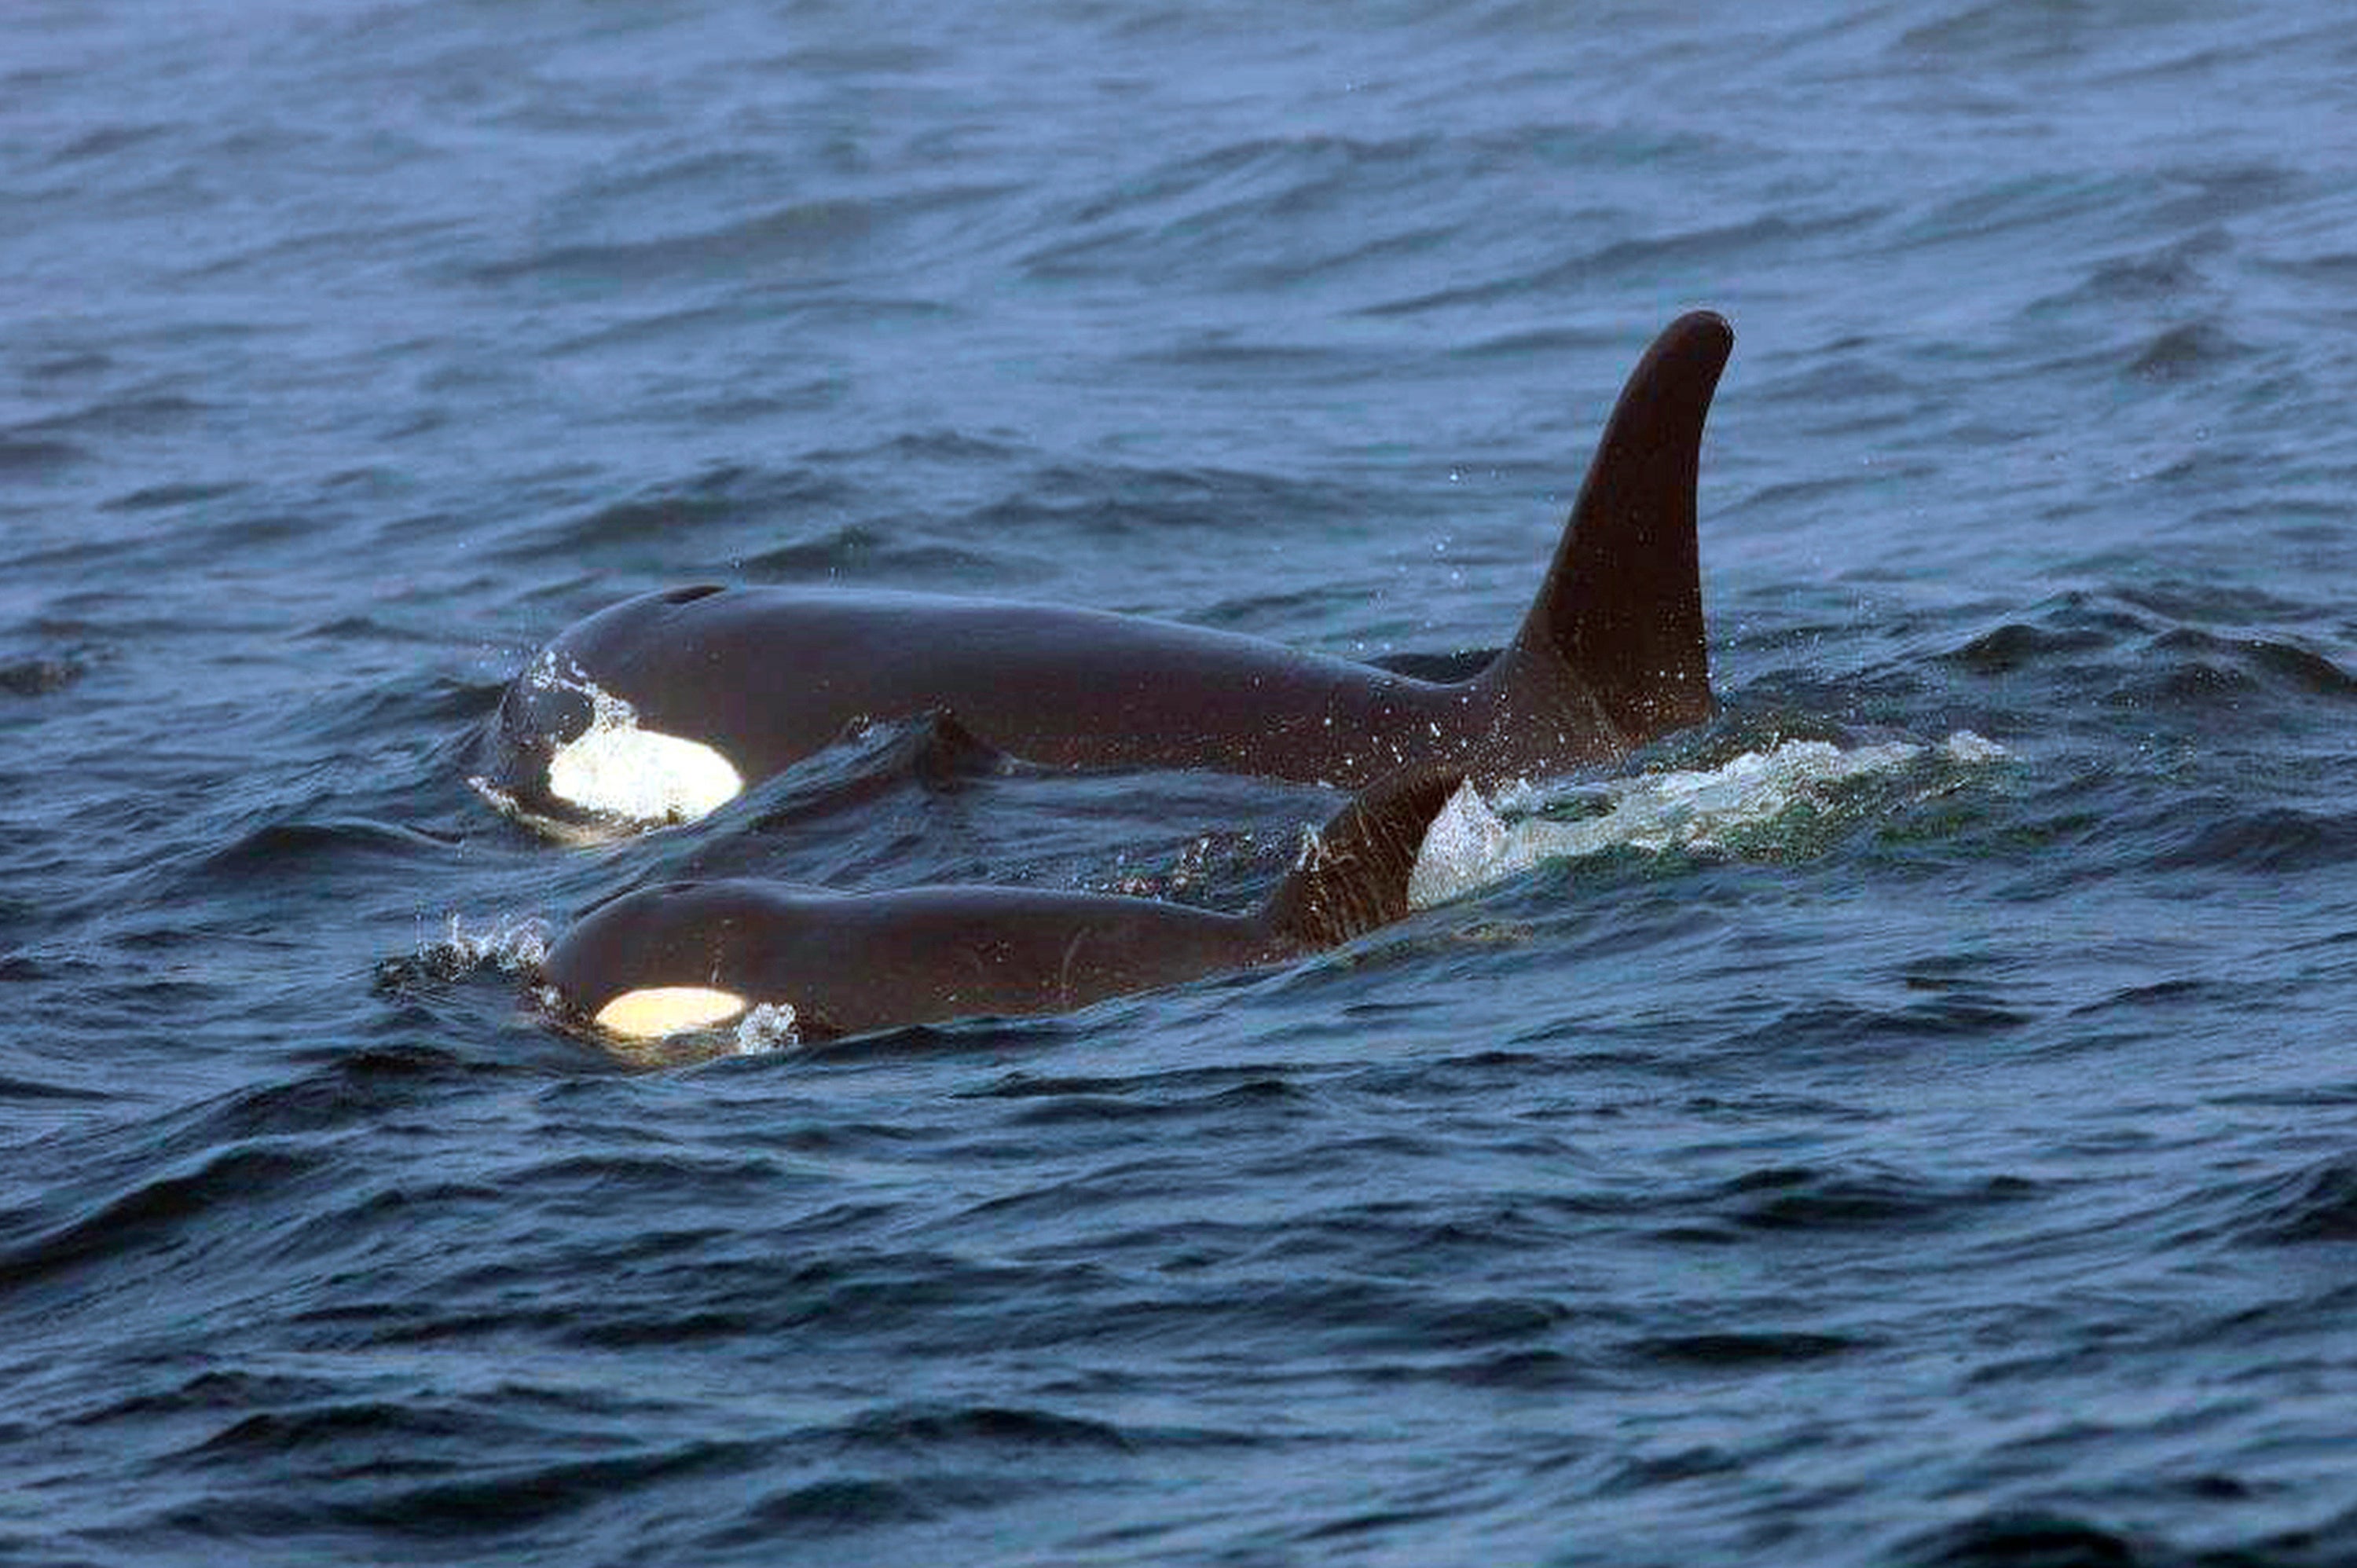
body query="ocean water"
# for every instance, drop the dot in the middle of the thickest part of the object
(1948, 1157)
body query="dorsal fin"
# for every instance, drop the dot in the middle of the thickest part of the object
(1622, 607)
(1352, 874)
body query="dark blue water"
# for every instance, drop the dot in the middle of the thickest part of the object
(1960, 1170)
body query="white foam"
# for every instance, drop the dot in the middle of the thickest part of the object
(1465, 837)
(596, 830)
(1966, 747)
(1471, 844)
(767, 1027)
(514, 947)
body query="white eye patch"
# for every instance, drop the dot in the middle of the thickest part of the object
(654, 1012)
(642, 774)
(615, 768)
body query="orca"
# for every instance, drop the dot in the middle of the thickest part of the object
(677, 957)
(665, 706)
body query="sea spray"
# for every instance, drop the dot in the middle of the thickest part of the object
(1472, 844)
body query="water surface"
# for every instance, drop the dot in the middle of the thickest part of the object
(1957, 1167)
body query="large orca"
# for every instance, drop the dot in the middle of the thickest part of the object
(665, 706)
(679, 957)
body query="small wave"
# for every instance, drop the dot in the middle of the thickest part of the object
(170, 1207)
(1673, 250)
(157, 498)
(725, 496)
(2318, 1204)
(2169, 273)
(1113, 500)
(34, 457)
(1471, 846)
(985, 1426)
(1872, 1197)
(2024, 1540)
(278, 850)
(2272, 840)
(2183, 353)
(859, 552)
(1729, 1350)
(855, 1503)
(159, 414)
(38, 676)
(820, 236)
(2179, 652)
(2250, 660)
(2066, 631)
(107, 140)
(344, 1088)
(17, 1092)
(531, 1489)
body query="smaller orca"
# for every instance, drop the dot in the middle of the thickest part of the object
(666, 706)
(678, 956)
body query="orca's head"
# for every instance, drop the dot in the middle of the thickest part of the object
(669, 960)
(536, 715)
(572, 760)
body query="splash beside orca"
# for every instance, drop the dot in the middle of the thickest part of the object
(665, 706)
(682, 957)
